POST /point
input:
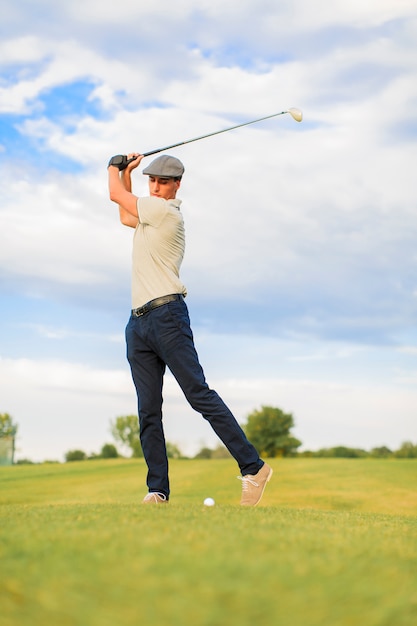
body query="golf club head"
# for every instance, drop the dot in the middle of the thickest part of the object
(296, 114)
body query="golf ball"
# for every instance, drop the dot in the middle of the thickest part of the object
(209, 502)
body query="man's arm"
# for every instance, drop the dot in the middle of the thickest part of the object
(120, 188)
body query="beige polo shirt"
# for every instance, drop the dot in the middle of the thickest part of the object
(158, 250)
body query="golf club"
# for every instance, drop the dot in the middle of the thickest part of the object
(296, 114)
(121, 161)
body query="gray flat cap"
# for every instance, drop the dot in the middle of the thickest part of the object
(165, 167)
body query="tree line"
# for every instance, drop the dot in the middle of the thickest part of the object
(407, 450)
(268, 428)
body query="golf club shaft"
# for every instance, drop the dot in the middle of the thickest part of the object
(182, 143)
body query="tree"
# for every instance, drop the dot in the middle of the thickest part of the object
(343, 452)
(125, 430)
(407, 451)
(7, 427)
(109, 451)
(381, 453)
(173, 451)
(8, 430)
(204, 453)
(269, 431)
(220, 452)
(75, 455)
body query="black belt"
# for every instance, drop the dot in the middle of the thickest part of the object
(154, 304)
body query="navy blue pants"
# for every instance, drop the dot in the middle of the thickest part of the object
(163, 337)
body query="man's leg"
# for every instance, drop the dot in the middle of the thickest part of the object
(147, 373)
(174, 342)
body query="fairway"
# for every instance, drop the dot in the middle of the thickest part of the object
(334, 543)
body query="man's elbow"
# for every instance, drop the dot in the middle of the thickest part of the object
(114, 196)
(128, 220)
(124, 220)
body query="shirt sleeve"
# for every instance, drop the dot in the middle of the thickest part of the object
(152, 210)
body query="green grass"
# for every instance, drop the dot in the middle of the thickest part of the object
(333, 544)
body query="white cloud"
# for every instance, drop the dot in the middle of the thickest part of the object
(298, 14)
(49, 63)
(54, 374)
(331, 205)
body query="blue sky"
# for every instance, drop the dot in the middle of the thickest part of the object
(301, 238)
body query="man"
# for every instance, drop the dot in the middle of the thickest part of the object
(158, 334)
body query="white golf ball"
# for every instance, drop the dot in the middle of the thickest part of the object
(209, 502)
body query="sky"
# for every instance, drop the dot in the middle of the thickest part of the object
(301, 253)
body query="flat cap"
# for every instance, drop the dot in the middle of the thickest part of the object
(165, 167)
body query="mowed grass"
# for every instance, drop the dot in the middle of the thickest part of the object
(333, 544)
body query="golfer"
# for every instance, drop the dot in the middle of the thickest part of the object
(158, 333)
